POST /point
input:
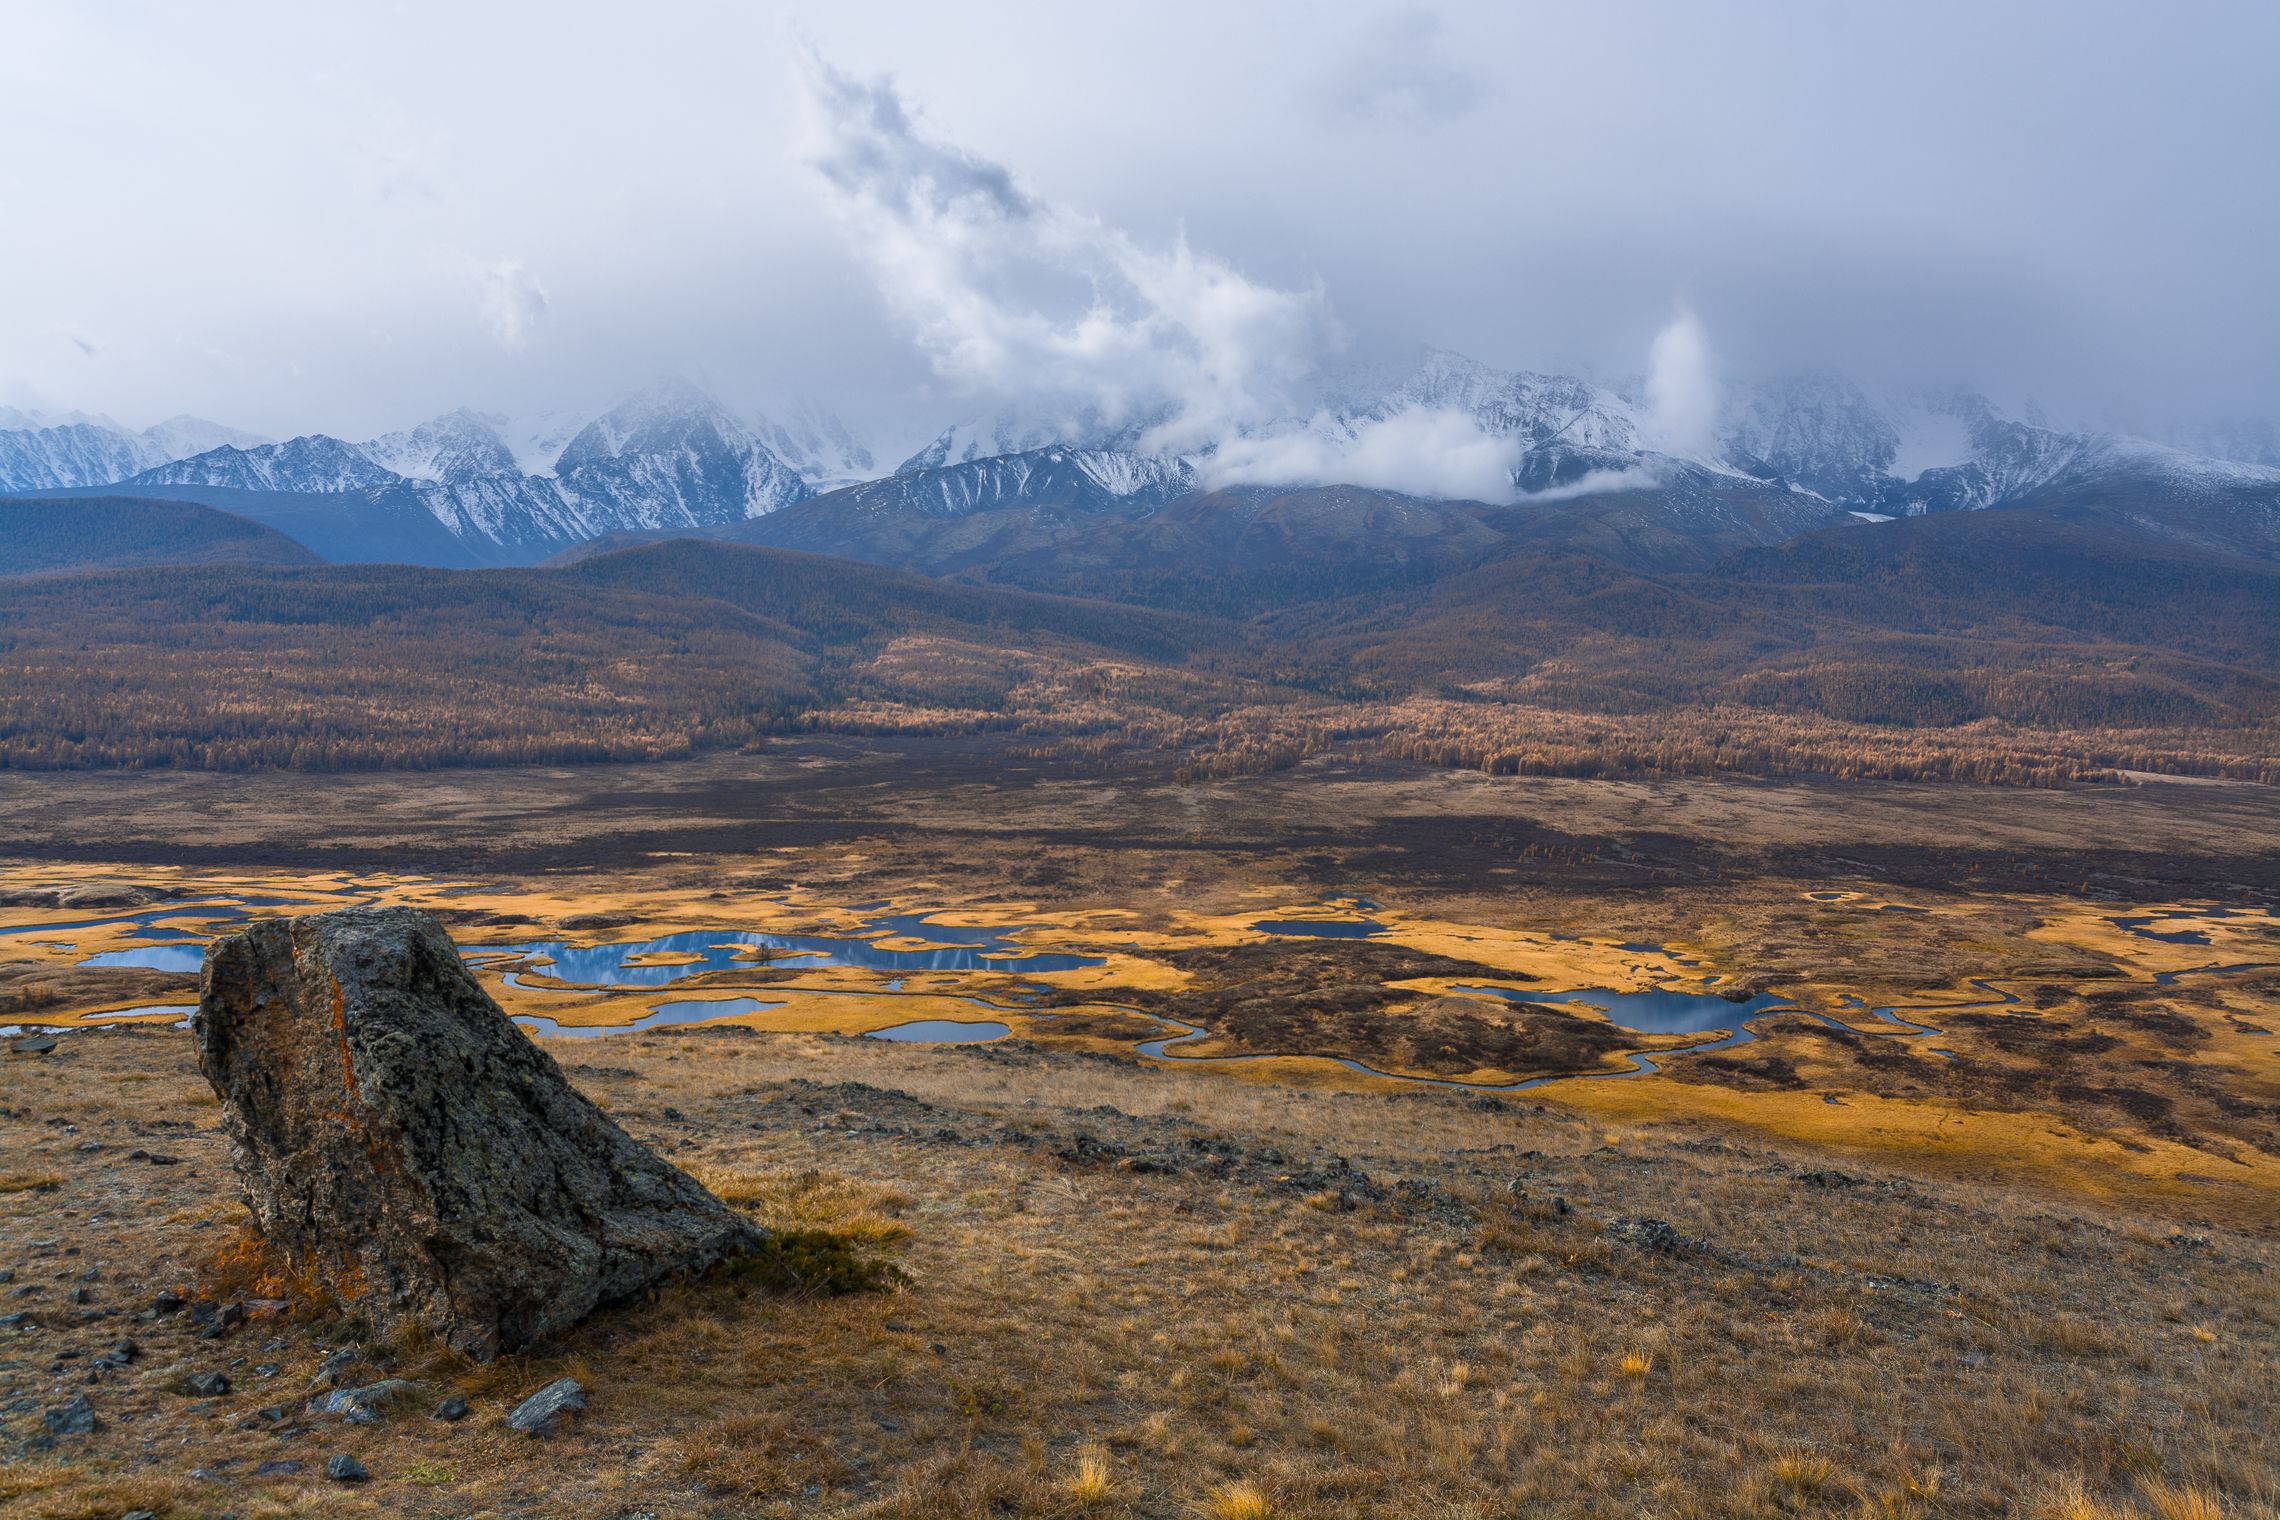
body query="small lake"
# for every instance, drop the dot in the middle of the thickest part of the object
(2143, 928)
(1320, 928)
(943, 1032)
(153, 957)
(691, 1011)
(1658, 1012)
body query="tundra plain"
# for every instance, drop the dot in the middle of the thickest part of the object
(2021, 1263)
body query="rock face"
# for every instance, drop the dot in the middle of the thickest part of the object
(410, 1149)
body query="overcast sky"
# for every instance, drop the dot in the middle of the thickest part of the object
(347, 217)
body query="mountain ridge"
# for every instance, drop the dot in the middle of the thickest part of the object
(670, 459)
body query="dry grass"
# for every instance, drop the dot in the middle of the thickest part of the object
(1283, 1280)
(1091, 1483)
(1081, 1337)
(1239, 1501)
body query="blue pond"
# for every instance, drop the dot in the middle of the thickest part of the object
(944, 1032)
(961, 949)
(1658, 1012)
(2141, 928)
(1321, 928)
(692, 1011)
(153, 957)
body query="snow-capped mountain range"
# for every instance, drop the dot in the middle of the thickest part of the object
(40, 453)
(670, 458)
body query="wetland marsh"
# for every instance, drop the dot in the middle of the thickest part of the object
(1346, 1158)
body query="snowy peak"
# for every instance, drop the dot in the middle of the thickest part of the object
(1024, 431)
(1536, 409)
(40, 452)
(314, 463)
(461, 445)
(672, 456)
(668, 415)
(52, 455)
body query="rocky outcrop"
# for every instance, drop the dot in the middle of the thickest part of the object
(412, 1151)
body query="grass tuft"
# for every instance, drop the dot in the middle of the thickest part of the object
(1091, 1483)
(2182, 1501)
(1803, 1473)
(816, 1262)
(1239, 1501)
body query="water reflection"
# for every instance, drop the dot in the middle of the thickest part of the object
(943, 1032)
(700, 950)
(692, 1011)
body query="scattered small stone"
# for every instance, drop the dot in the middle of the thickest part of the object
(80, 1296)
(285, 1469)
(346, 1469)
(333, 1371)
(167, 1302)
(32, 1044)
(206, 1385)
(73, 1417)
(144, 1514)
(450, 1411)
(369, 1404)
(536, 1415)
(19, 1321)
(1650, 1235)
(216, 1320)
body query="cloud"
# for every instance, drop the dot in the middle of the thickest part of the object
(1682, 390)
(1421, 452)
(513, 303)
(1399, 70)
(1013, 296)
(1632, 477)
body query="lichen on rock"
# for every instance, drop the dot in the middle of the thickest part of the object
(405, 1146)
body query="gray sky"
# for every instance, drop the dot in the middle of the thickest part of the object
(345, 218)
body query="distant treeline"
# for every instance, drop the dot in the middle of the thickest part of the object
(1555, 667)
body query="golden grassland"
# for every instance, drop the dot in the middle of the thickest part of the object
(2094, 1078)
(1137, 1292)
(2032, 1276)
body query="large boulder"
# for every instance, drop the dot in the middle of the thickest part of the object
(411, 1150)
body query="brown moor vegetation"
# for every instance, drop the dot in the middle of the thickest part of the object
(1964, 654)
